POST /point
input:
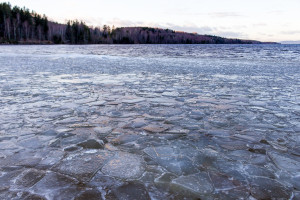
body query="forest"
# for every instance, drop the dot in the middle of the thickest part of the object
(22, 26)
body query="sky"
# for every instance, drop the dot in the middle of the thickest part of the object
(265, 20)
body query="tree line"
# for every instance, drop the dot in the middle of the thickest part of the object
(21, 26)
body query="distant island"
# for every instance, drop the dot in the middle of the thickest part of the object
(20, 26)
(290, 42)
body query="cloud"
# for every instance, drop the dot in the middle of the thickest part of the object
(276, 12)
(190, 28)
(123, 23)
(231, 34)
(292, 32)
(259, 25)
(223, 32)
(225, 14)
(183, 12)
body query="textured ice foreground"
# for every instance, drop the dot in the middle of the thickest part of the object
(150, 122)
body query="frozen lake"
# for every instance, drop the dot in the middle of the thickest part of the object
(150, 122)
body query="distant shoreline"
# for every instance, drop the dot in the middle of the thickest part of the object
(53, 44)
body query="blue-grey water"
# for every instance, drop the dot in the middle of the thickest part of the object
(150, 122)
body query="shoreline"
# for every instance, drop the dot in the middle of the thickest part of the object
(49, 43)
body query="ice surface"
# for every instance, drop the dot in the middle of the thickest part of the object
(131, 190)
(150, 122)
(196, 184)
(29, 177)
(124, 166)
(264, 188)
(84, 165)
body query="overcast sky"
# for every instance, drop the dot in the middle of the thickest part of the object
(266, 20)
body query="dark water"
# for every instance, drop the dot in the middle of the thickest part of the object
(150, 122)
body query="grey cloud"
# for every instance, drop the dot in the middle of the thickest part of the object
(225, 14)
(123, 23)
(209, 31)
(192, 29)
(231, 34)
(259, 24)
(293, 32)
(276, 12)
(211, 14)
